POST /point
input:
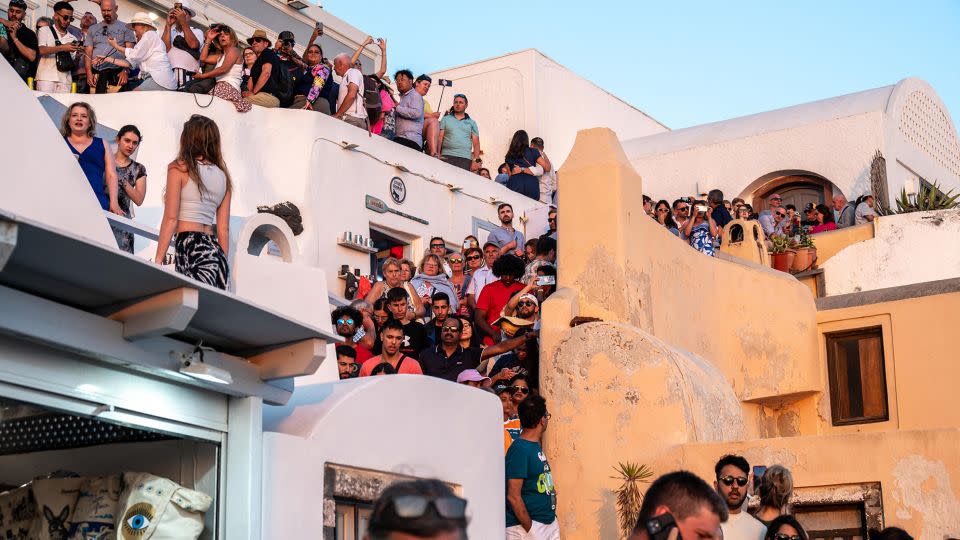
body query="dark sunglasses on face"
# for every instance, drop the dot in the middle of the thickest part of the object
(552, 220)
(784, 536)
(415, 506)
(662, 210)
(729, 480)
(437, 245)
(344, 321)
(525, 303)
(473, 258)
(683, 209)
(520, 390)
(456, 261)
(451, 329)
(781, 214)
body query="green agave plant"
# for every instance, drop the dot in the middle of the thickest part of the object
(780, 243)
(629, 496)
(927, 198)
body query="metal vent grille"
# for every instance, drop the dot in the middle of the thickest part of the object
(61, 431)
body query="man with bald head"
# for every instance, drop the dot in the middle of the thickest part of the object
(106, 77)
(350, 107)
(843, 212)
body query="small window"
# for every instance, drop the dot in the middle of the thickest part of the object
(858, 382)
(353, 518)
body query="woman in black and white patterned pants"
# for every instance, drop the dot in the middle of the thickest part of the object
(197, 205)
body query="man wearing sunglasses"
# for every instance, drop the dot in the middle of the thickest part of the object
(531, 495)
(460, 137)
(56, 39)
(418, 509)
(447, 359)
(346, 320)
(733, 476)
(766, 217)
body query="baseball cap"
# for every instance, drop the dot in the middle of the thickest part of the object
(471, 375)
(287, 35)
(530, 297)
(490, 244)
(502, 387)
(810, 206)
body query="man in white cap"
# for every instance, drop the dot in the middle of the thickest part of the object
(182, 42)
(148, 54)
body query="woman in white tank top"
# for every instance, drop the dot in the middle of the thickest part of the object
(229, 68)
(197, 197)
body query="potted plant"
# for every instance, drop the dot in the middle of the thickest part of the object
(629, 496)
(782, 255)
(806, 252)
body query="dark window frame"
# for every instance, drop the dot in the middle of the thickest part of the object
(832, 340)
(357, 506)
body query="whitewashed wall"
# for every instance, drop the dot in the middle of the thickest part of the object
(906, 249)
(383, 424)
(527, 90)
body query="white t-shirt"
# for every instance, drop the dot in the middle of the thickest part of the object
(150, 55)
(354, 76)
(181, 59)
(743, 526)
(863, 209)
(47, 67)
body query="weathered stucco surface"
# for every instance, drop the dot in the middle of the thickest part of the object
(906, 248)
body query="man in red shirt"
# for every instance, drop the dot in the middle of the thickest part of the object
(346, 320)
(495, 295)
(391, 336)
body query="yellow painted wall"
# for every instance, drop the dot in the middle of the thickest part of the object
(831, 242)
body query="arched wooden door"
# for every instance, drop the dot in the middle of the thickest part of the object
(795, 190)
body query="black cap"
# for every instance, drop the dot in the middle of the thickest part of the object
(424, 77)
(501, 387)
(810, 206)
(287, 35)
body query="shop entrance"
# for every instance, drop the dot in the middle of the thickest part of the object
(388, 244)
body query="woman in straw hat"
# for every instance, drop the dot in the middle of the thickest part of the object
(228, 71)
(149, 54)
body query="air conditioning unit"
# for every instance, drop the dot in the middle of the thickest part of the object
(297, 4)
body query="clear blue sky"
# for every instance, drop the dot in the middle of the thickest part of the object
(687, 63)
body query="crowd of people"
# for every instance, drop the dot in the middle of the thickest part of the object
(676, 505)
(173, 54)
(701, 222)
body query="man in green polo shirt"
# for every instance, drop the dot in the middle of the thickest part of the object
(531, 495)
(460, 137)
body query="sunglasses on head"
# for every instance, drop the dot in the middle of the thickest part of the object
(415, 506)
(784, 536)
(520, 389)
(729, 480)
(473, 257)
(344, 321)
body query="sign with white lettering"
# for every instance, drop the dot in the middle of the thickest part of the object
(398, 190)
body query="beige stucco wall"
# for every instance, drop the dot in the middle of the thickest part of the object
(680, 348)
(832, 242)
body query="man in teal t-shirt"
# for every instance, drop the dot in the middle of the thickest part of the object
(460, 137)
(531, 496)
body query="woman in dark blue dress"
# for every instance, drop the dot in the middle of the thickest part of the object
(77, 126)
(526, 164)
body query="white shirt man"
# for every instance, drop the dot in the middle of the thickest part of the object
(865, 212)
(49, 78)
(354, 113)
(150, 56)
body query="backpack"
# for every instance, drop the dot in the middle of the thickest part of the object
(371, 97)
(284, 86)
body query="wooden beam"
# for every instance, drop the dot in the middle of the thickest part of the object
(293, 360)
(159, 315)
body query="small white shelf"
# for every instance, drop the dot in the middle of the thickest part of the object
(357, 247)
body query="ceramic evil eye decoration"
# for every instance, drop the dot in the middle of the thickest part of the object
(136, 521)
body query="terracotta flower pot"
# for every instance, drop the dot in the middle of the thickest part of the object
(803, 260)
(783, 261)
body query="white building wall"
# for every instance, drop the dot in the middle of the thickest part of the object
(906, 249)
(277, 155)
(527, 90)
(407, 425)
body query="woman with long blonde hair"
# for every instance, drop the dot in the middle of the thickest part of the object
(197, 196)
(229, 67)
(78, 127)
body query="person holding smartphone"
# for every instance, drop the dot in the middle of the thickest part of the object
(701, 229)
(54, 41)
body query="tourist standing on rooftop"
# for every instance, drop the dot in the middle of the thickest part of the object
(460, 136)
(309, 91)
(198, 196)
(228, 70)
(350, 107)
(766, 216)
(505, 236)
(80, 70)
(732, 476)
(56, 43)
(19, 43)
(431, 119)
(865, 212)
(107, 77)
(526, 164)
(182, 42)
(262, 88)
(531, 495)
(148, 54)
(843, 212)
(409, 112)
(78, 125)
(131, 180)
(548, 180)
